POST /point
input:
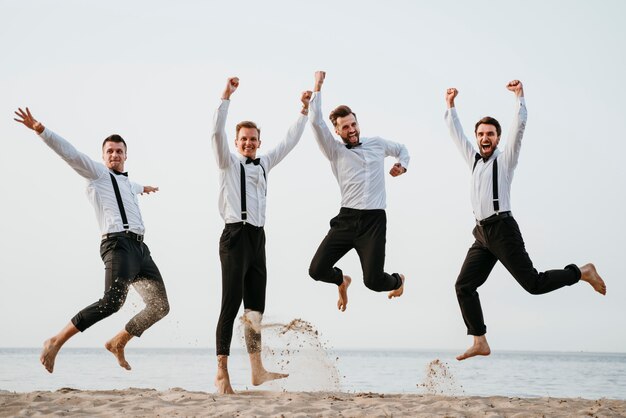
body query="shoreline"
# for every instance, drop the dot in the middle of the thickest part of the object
(180, 402)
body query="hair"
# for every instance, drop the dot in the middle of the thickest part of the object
(114, 138)
(247, 124)
(488, 120)
(340, 112)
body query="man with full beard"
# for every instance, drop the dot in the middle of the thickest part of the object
(497, 234)
(358, 166)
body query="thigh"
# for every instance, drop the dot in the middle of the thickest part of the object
(234, 261)
(477, 266)
(255, 279)
(508, 245)
(338, 241)
(120, 265)
(371, 242)
(148, 269)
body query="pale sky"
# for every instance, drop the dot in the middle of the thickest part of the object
(153, 71)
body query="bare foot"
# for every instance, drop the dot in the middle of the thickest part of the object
(222, 379)
(223, 385)
(49, 354)
(590, 275)
(397, 292)
(479, 348)
(342, 303)
(264, 376)
(116, 346)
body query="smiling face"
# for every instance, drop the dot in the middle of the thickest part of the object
(114, 155)
(487, 138)
(347, 128)
(487, 131)
(247, 141)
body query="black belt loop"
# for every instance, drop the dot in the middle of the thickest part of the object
(244, 213)
(120, 205)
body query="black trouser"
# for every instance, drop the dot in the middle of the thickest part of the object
(244, 276)
(502, 241)
(365, 231)
(127, 262)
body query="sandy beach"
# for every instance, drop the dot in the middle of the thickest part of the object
(178, 402)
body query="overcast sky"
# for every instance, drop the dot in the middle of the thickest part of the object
(153, 71)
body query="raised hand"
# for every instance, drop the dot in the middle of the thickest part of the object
(27, 119)
(305, 99)
(319, 80)
(516, 87)
(396, 170)
(451, 94)
(231, 86)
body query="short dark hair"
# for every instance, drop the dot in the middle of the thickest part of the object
(488, 120)
(247, 124)
(114, 138)
(340, 112)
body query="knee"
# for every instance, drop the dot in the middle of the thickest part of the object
(462, 290)
(315, 271)
(372, 282)
(161, 309)
(532, 288)
(108, 305)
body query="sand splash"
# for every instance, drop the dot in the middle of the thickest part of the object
(440, 381)
(295, 348)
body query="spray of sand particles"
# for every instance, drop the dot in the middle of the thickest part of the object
(295, 348)
(440, 381)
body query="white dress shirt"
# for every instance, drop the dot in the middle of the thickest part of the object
(482, 177)
(229, 165)
(360, 171)
(100, 190)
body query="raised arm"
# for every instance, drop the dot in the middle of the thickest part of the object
(81, 163)
(293, 135)
(514, 139)
(322, 134)
(218, 138)
(463, 144)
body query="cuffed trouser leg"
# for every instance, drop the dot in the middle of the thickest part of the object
(502, 241)
(478, 263)
(507, 244)
(338, 241)
(244, 278)
(127, 262)
(370, 246)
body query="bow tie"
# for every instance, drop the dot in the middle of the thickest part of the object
(478, 157)
(119, 173)
(350, 146)
(255, 161)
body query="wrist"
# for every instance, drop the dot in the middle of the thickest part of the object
(304, 110)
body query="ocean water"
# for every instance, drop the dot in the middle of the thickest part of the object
(315, 368)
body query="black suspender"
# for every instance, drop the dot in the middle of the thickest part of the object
(494, 181)
(242, 177)
(244, 213)
(120, 205)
